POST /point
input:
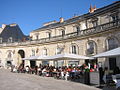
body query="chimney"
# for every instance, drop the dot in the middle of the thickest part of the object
(13, 24)
(61, 20)
(3, 26)
(92, 9)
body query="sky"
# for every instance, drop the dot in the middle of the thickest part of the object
(32, 14)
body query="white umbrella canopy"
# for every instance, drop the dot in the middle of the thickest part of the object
(36, 58)
(31, 58)
(110, 53)
(65, 57)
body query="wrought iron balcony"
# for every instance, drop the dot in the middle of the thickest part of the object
(94, 30)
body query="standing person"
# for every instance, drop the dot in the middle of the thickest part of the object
(87, 75)
(106, 72)
(36, 70)
(101, 73)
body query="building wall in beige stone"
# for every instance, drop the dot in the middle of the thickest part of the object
(81, 43)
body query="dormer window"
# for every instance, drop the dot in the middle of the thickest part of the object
(10, 39)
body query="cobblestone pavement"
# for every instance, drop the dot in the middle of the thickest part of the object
(20, 81)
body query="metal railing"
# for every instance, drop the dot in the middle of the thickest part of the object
(89, 31)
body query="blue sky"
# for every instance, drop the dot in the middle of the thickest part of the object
(31, 14)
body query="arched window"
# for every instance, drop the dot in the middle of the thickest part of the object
(112, 43)
(91, 47)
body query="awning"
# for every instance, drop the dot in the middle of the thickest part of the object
(31, 58)
(35, 58)
(66, 57)
(58, 57)
(110, 53)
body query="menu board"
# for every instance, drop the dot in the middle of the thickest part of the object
(94, 78)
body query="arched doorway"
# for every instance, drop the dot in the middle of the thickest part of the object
(22, 54)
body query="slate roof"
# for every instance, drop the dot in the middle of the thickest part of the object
(82, 17)
(13, 31)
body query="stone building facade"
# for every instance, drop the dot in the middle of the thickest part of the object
(87, 35)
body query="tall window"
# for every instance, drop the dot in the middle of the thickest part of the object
(49, 35)
(45, 52)
(95, 22)
(63, 32)
(37, 37)
(77, 29)
(91, 47)
(9, 55)
(74, 49)
(112, 43)
(33, 52)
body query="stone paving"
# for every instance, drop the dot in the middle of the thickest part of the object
(20, 81)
